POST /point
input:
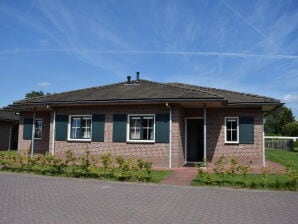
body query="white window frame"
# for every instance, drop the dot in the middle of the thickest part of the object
(38, 119)
(69, 129)
(232, 142)
(128, 129)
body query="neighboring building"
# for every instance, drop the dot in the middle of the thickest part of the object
(8, 130)
(170, 124)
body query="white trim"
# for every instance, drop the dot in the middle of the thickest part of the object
(54, 132)
(69, 131)
(185, 135)
(128, 128)
(264, 161)
(281, 137)
(225, 123)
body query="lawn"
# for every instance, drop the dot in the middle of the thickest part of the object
(282, 157)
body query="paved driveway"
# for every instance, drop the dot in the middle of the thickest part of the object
(40, 199)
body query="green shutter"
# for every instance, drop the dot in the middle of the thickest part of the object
(119, 127)
(246, 130)
(61, 127)
(27, 131)
(162, 128)
(98, 122)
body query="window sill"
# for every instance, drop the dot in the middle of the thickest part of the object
(231, 143)
(79, 140)
(140, 142)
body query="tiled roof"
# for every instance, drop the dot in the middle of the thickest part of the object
(232, 97)
(8, 116)
(147, 91)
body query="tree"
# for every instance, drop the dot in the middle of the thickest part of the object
(276, 120)
(291, 129)
(33, 94)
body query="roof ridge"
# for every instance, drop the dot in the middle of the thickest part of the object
(184, 87)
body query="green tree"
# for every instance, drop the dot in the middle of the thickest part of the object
(291, 129)
(33, 94)
(276, 120)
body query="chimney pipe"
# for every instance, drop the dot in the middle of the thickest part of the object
(137, 76)
(128, 79)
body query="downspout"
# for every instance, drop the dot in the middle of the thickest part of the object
(33, 134)
(170, 136)
(10, 135)
(205, 133)
(264, 162)
(53, 134)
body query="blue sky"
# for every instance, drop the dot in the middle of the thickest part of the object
(55, 46)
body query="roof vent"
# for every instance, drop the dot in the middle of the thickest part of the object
(137, 76)
(128, 79)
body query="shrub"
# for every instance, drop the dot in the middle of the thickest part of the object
(264, 177)
(244, 171)
(125, 167)
(201, 173)
(219, 169)
(292, 176)
(233, 169)
(148, 168)
(106, 161)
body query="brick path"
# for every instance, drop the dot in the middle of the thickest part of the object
(39, 199)
(181, 176)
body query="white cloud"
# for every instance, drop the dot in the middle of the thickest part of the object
(43, 84)
(290, 98)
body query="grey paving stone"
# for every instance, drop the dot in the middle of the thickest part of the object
(40, 199)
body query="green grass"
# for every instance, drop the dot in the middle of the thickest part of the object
(156, 175)
(282, 157)
(254, 181)
(11, 152)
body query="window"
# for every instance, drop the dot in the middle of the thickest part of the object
(141, 128)
(38, 129)
(80, 128)
(231, 130)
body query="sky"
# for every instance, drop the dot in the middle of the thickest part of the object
(55, 46)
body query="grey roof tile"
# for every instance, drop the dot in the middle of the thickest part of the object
(145, 91)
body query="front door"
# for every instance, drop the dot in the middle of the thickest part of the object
(194, 140)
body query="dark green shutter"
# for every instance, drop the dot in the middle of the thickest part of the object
(119, 127)
(61, 127)
(162, 128)
(98, 122)
(246, 130)
(27, 132)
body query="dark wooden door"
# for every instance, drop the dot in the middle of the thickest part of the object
(195, 140)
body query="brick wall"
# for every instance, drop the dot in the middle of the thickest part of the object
(250, 154)
(41, 146)
(156, 152)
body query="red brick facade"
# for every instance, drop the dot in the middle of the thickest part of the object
(156, 152)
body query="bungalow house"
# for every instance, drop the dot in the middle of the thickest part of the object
(170, 124)
(8, 130)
